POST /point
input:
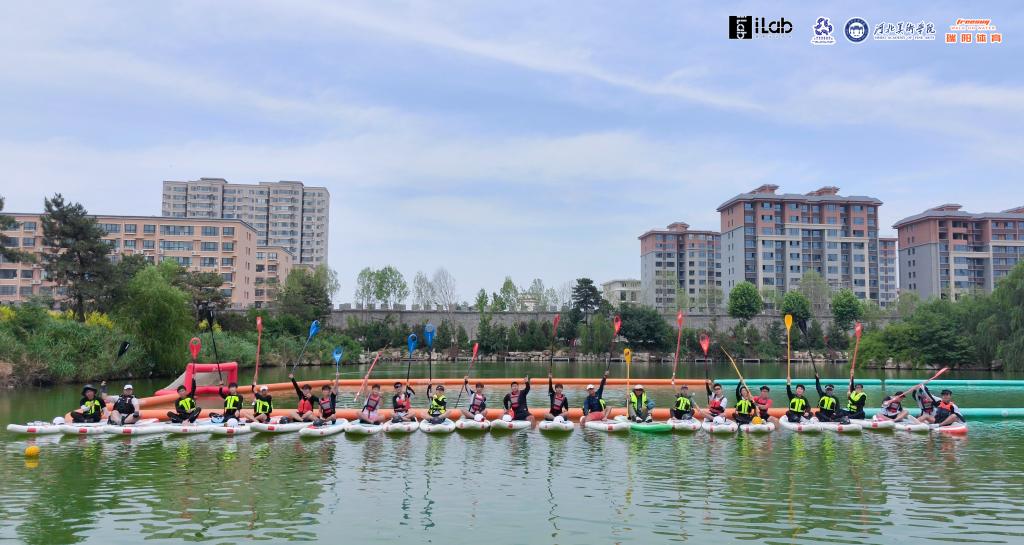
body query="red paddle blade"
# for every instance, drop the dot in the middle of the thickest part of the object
(555, 326)
(857, 330)
(194, 346)
(259, 324)
(679, 318)
(705, 343)
(476, 346)
(618, 323)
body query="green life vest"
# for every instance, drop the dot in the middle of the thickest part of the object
(262, 407)
(638, 404)
(683, 403)
(827, 403)
(854, 398)
(798, 404)
(744, 406)
(93, 406)
(186, 404)
(232, 402)
(437, 404)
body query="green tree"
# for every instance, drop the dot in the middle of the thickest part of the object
(498, 303)
(77, 257)
(7, 253)
(389, 286)
(815, 335)
(816, 290)
(157, 314)
(597, 336)
(307, 294)
(509, 294)
(683, 299)
(744, 302)
(846, 309)
(797, 304)
(907, 302)
(365, 287)
(122, 273)
(586, 297)
(645, 328)
(481, 301)
(423, 291)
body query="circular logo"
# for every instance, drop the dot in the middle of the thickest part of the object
(856, 30)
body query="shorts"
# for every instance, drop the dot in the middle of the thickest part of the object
(521, 415)
(368, 415)
(743, 419)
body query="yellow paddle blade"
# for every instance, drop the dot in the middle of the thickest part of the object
(789, 321)
(627, 354)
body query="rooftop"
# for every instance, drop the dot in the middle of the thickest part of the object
(950, 210)
(829, 193)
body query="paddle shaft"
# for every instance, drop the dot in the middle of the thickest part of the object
(736, 368)
(259, 340)
(301, 353)
(853, 364)
(216, 356)
(675, 363)
(468, 367)
(366, 378)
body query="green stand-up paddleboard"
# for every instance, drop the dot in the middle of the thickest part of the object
(651, 427)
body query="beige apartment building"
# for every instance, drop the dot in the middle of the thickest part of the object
(621, 292)
(227, 247)
(680, 261)
(286, 213)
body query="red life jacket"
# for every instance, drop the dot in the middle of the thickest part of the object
(763, 401)
(513, 401)
(715, 406)
(305, 406)
(478, 403)
(948, 407)
(325, 406)
(372, 403)
(402, 404)
(557, 403)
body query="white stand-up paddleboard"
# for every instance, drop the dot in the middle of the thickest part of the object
(802, 426)
(469, 424)
(728, 426)
(275, 427)
(686, 424)
(556, 425)
(839, 427)
(35, 428)
(610, 426)
(763, 427)
(401, 427)
(142, 427)
(240, 429)
(328, 428)
(873, 424)
(509, 425)
(444, 427)
(359, 428)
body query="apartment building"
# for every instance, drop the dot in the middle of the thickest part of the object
(273, 263)
(677, 260)
(772, 239)
(946, 252)
(619, 292)
(888, 291)
(227, 247)
(285, 213)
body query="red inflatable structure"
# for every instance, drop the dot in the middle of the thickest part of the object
(206, 378)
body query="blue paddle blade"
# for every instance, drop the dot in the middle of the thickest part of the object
(338, 352)
(428, 333)
(412, 343)
(314, 328)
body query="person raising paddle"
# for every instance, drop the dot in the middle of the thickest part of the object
(593, 405)
(828, 405)
(401, 402)
(892, 406)
(307, 401)
(559, 403)
(262, 404)
(438, 409)
(799, 408)
(717, 402)
(515, 402)
(233, 401)
(477, 402)
(746, 410)
(185, 408)
(371, 408)
(855, 400)
(683, 407)
(764, 403)
(328, 404)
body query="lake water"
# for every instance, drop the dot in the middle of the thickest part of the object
(526, 487)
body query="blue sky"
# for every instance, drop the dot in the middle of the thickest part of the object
(531, 139)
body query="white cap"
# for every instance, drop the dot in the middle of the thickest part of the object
(590, 386)
(128, 387)
(638, 387)
(58, 420)
(506, 418)
(478, 417)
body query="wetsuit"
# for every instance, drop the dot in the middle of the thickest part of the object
(518, 406)
(798, 406)
(232, 403)
(477, 401)
(92, 409)
(745, 408)
(716, 405)
(401, 404)
(855, 403)
(262, 404)
(595, 403)
(767, 402)
(328, 405)
(185, 409)
(683, 408)
(438, 408)
(559, 403)
(828, 405)
(306, 404)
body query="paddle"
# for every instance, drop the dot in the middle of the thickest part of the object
(194, 347)
(259, 339)
(554, 340)
(617, 325)
(411, 341)
(428, 335)
(213, 338)
(627, 355)
(679, 338)
(366, 378)
(120, 352)
(476, 346)
(705, 343)
(789, 362)
(314, 328)
(856, 345)
(737, 369)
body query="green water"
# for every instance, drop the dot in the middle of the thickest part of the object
(586, 487)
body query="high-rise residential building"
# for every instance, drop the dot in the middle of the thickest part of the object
(272, 265)
(287, 214)
(772, 239)
(620, 292)
(227, 247)
(946, 252)
(677, 261)
(888, 290)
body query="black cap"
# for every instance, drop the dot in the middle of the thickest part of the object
(88, 387)
(829, 387)
(182, 388)
(858, 385)
(233, 385)
(765, 389)
(946, 392)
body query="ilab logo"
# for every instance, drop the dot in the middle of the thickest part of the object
(823, 32)
(748, 27)
(856, 30)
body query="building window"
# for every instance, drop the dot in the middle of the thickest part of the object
(129, 244)
(209, 246)
(229, 231)
(228, 277)
(226, 292)
(210, 231)
(176, 230)
(148, 244)
(110, 227)
(227, 262)
(176, 245)
(148, 229)
(228, 246)
(28, 242)
(208, 262)
(31, 226)
(26, 273)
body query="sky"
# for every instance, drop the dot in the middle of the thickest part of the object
(524, 139)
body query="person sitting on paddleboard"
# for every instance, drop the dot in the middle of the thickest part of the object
(438, 405)
(892, 406)
(126, 408)
(763, 403)
(717, 403)
(91, 407)
(371, 409)
(307, 401)
(185, 408)
(328, 403)
(745, 408)
(593, 405)
(639, 406)
(947, 413)
(683, 408)
(926, 402)
(233, 401)
(559, 403)
(855, 400)
(515, 402)
(401, 402)
(262, 404)
(477, 402)
(828, 405)
(799, 408)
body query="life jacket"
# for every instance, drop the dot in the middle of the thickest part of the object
(92, 406)
(744, 406)
(893, 409)
(478, 403)
(326, 407)
(827, 403)
(557, 403)
(854, 403)
(437, 404)
(943, 406)
(372, 403)
(261, 406)
(638, 404)
(762, 401)
(715, 406)
(683, 403)
(927, 403)
(513, 401)
(402, 404)
(305, 406)
(124, 405)
(232, 402)
(186, 404)
(798, 404)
